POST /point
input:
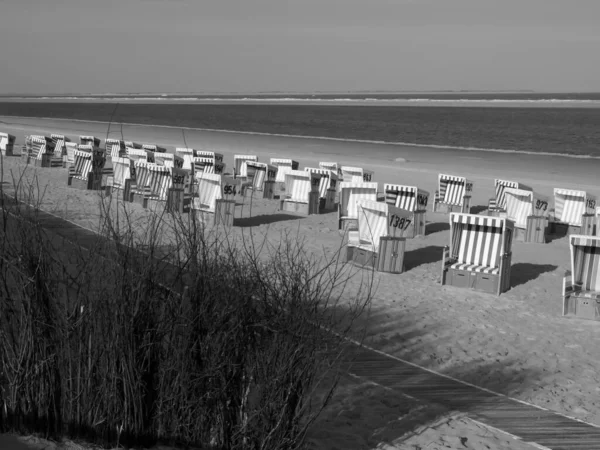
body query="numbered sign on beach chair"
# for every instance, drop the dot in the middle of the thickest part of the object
(208, 203)
(453, 194)
(350, 194)
(302, 192)
(239, 165)
(260, 178)
(479, 255)
(115, 148)
(498, 203)
(581, 285)
(529, 212)
(7, 144)
(87, 170)
(89, 140)
(327, 186)
(574, 212)
(411, 199)
(356, 174)
(208, 165)
(378, 242)
(209, 154)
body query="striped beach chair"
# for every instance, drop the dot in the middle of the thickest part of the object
(239, 165)
(498, 203)
(581, 285)
(59, 141)
(333, 166)
(574, 212)
(208, 204)
(7, 144)
(39, 145)
(283, 166)
(89, 140)
(302, 192)
(378, 242)
(529, 212)
(261, 178)
(69, 158)
(87, 169)
(453, 194)
(115, 148)
(123, 178)
(136, 154)
(350, 194)
(356, 174)
(208, 165)
(154, 148)
(327, 186)
(187, 154)
(411, 199)
(141, 190)
(209, 154)
(479, 255)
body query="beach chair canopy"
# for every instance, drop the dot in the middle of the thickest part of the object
(570, 205)
(209, 154)
(299, 184)
(356, 174)
(477, 243)
(114, 147)
(208, 165)
(410, 198)
(89, 140)
(351, 193)
(283, 167)
(239, 164)
(585, 264)
(329, 179)
(6, 139)
(521, 203)
(452, 189)
(154, 148)
(333, 166)
(501, 186)
(208, 190)
(136, 154)
(84, 161)
(377, 220)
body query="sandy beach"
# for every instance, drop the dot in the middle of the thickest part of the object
(517, 344)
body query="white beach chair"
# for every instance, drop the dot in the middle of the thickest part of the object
(498, 203)
(123, 178)
(453, 194)
(136, 154)
(302, 192)
(69, 158)
(479, 255)
(350, 194)
(239, 165)
(115, 148)
(574, 212)
(88, 168)
(283, 166)
(378, 242)
(59, 141)
(7, 143)
(333, 166)
(208, 203)
(89, 140)
(260, 178)
(581, 285)
(356, 174)
(413, 200)
(529, 212)
(327, 186)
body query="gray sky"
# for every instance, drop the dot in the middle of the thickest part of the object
(98, 46)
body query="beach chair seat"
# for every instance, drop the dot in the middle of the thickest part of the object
(239, 165)
(260, 178)
(7, 144)
(581, 284)
(413, 200)
(302, 192)
(89, 140)
(377, 242)
(529, 212)
(573, 213)
(327, 186)
(87, 170)
(498, 203)
(356, 174)
(479, 255)
(349, 194)
(453, 194)
(208, 203)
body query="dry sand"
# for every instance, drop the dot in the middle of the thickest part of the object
(516, 344)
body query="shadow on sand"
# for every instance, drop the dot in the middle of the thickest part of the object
(423, 255)
(521, 273)
(478, 209)
(264, 219)
(436, 227)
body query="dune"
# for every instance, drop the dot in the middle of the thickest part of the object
(517, 344)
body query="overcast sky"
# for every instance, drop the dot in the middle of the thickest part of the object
(98, 46)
